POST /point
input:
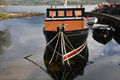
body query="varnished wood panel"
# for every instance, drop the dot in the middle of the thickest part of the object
(69, 25)
(61, 13)
(69, 13)
(78, 12)
(52, 13)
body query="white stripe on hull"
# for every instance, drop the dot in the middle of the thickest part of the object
(74, 52)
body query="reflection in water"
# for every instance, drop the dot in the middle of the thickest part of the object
(76, 65)
(26, 35)
(117, 36)
(103, 34)
(5, 41)
(69, 70)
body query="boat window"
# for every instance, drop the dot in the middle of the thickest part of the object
(65, 12)
(78, 12)
(52, 13)
(69, 13)
(61, 13)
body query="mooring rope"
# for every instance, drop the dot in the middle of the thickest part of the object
(68, 41)
(38, 66)
(66, 76)
(65, 53)
(62, 49)
(55, 49)
(27, 57)
(77, 53)
(35, 64)
(55, 75)
(61, 36)
(65, 49)
(37, 52)
(64, 36)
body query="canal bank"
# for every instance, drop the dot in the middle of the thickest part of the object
(7, 15)
(3, 16)
(23, 14)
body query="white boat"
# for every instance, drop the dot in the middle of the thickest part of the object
(91, 20)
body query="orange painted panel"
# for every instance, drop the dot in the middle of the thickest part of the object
(52, 13)
(78, 12)
(69, 13)
(61, 13)
(69, 25)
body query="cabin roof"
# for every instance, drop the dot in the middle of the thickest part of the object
(64, 8)
(66, 18)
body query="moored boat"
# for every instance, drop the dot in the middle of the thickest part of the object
(103, 34)
(116, 36)
(68, 23)
(91, 20)
(66, 34)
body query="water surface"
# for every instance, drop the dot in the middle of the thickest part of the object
(40, 9)
(26, 36)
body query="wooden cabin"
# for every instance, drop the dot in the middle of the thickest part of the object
(72, 18)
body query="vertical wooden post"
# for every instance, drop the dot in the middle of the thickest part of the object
(65, 3)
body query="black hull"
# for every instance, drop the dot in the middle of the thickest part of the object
(117, 36)
(67, 72)
(103, 35)
(77, 63)
(77, 38)
(102, 38)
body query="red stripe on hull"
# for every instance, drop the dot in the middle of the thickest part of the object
(74, 52)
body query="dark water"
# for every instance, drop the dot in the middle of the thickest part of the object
(26, 36)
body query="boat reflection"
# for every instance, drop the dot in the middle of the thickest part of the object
(5, 40)
(117, 36)
(103, 34)
(70, 69)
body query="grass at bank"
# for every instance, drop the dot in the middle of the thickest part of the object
(3, 16)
